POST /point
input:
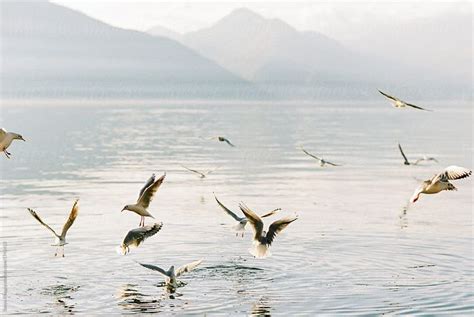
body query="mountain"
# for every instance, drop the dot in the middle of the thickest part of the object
(51, 51)
(269, 52)
(164, 32)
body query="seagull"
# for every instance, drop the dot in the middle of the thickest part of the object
(172, 274)
(222, 139)
(136, 236)
(6, 138)
(145, 197)
(397, 103)
(60, 240)
(424, 158)
(201, 174)
(262, 240)
(440, 181)
(242, 221)
(322, 162)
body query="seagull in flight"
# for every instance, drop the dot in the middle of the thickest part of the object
(424, 158)
(322, 162)
(242, 221)
(60, 239)
(262, 240)
(145, 197)
(397, 103)
(440, 181)
(136, 236)
(222, 139)
(172, 274)
(200, 174)
(6, 138)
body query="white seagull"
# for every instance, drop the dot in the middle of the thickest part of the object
(201, 174)
(145, 197)
(6, 138)
(222, 139)
(440, 181)
(136, 236)
(322, 162)
(242, 221)
(172, 274)
(60, 240)
(424, 158)
(397, 103)
(262, 240)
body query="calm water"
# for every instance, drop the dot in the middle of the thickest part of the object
(351, 251)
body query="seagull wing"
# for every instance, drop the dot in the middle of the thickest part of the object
(403, 154)
(333, 164)
(313, 156)
(268, 214)
(137, 236)
(277, 226)
(194, 171)
(228, 142)
(70, 219)
(3, 132)
(188, 267)
(149, 192)
(388, 96)
(254, 219)
(227, 210)
(456, 172)
(150, 181)
(417, 107)
(35, 215)
(154, 268)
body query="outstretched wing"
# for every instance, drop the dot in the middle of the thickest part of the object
(150, 181)
(228, 142)
(274, 211)
(136, 236)
(35, 215)
(403, 154)
(71, 218)
(277, 226)
(227, 210)
(313, 156)
(154, 268)
(456, 172)
(194, 171)
(330, 163)
(388, 96)
(3, 132)
(149, 192)
(417, 107)
(188, 267)
(254, 220)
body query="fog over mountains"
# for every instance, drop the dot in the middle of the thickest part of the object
(50, 51)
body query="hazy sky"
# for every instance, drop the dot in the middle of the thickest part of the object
(339, 19)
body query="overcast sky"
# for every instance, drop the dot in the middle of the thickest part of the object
(339, 19)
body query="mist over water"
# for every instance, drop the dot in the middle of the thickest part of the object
(352, 250)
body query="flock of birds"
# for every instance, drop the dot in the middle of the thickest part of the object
(262, 240)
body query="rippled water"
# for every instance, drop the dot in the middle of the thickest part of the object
(352, 250)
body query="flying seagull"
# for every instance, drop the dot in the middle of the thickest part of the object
(440, 181)
(6, 138)
(222, 139)
(145, 197)
(397, 103)
(241, 221)
(136, 236)
(172, 274)
(201, 174)
(60, 240)
(424, 158)
(322, 162)
(262, 240)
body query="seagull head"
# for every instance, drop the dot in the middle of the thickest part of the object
(126, 207)
(19, 137)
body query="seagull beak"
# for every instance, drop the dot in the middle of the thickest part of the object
(21, 138)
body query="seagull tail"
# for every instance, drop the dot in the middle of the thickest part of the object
(260, 251)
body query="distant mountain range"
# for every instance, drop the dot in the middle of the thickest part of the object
(50, 51)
